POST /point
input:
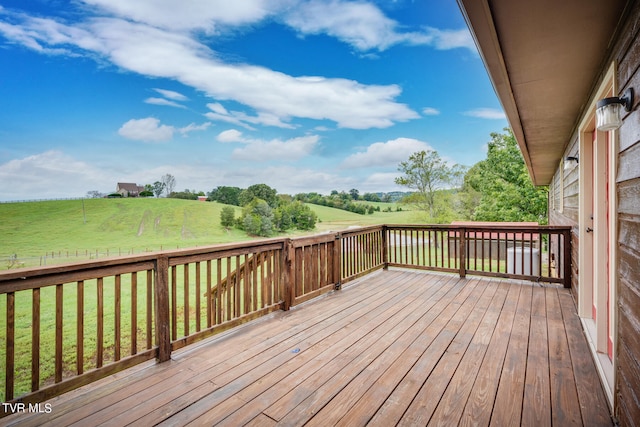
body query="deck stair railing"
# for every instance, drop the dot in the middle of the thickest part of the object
(68, 325)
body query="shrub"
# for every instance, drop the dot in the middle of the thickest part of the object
(227, 217)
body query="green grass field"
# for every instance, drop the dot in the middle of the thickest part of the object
(52, 232)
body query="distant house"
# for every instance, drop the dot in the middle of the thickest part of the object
(128, 189)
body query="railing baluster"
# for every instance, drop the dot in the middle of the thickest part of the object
(79, 326)
(186, 309)
(237, 290)
(100, 322)
(210, 296)
(59, 325)
(117, 318)
(10, 347)
(174, 303)
(198, 302)
(149, 309)
(35, 339)
(134, 313)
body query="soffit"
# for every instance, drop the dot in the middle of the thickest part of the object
(543, 58)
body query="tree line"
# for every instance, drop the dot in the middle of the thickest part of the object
(264, 212)
(497, 188)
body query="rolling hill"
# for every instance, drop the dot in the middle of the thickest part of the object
(46, 232)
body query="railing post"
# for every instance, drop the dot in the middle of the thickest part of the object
(385, 249)
(566, 258)
(288, 279)
(162, 308)
(337, 261)
(463, 252)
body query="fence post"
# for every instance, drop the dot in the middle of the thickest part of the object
(163, 336)
(288, 274)
(566, 258)
(463, 252)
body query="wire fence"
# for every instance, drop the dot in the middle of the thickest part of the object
(43, 200)
(13, 261)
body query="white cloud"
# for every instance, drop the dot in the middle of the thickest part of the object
(381, 181)
(149, 130)
(258, 150)
(219, 113)
(365, 27)
(162, 101)
(64, 176)
(388, 153)
(170, 94)
(430, 111)
(187, 15)
(230, 135)
(486, 113)
(277, 150)
(276, 97)
(451, 39)
(192, 127)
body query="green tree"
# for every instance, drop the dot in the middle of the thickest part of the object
(355, 194)
(226, 195)
(257, 218)
(260, 191)
(302, 216)
(158, 188)
(371, 197)
(169, 182)
(227, 217)
(506, 192)
(425, 172)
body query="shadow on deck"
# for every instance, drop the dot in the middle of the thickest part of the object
(394, 347)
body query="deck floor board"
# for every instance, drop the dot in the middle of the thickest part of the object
(395, 347)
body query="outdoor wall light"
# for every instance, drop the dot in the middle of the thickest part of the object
(608, 111)
(570, 162)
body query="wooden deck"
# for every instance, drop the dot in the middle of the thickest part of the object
(392, 348)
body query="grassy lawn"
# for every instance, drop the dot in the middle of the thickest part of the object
(53, 232)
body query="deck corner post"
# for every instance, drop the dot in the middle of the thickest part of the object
(337, 261)
(162, 319)
(567, 258)
(288, 277)
(463, 252)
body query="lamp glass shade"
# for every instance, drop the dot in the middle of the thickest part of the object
(569, 164)
(608, 117)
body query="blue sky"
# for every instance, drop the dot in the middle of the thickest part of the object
(304, 96)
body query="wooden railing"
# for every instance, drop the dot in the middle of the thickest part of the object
(362, 251)
(69, 325)
(541, 253)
